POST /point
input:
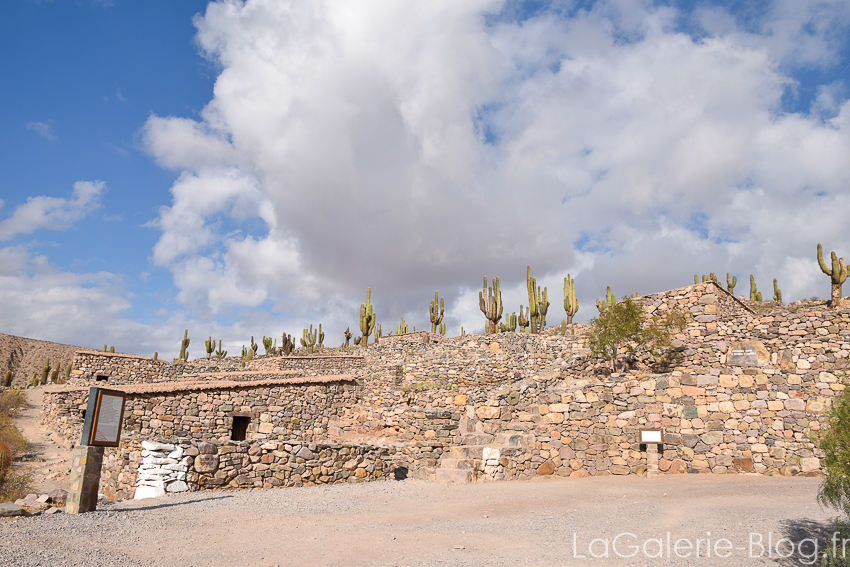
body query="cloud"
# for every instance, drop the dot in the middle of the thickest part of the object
(43, 129)
(413, 147)
(54, 213)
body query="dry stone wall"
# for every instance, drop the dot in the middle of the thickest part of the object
(257, 464)
(102, 368)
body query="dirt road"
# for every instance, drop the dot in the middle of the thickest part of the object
(688, 519)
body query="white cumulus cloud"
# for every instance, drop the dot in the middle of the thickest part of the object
(55, 213)
(414, 146)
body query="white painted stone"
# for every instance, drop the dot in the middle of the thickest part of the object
(181, 476)
(143, 492)
(177, 486)
(157, 461)
(158, 454)
(155, 483)
(157, 446)
(144, 476)
(176, 453)
(174, 467)
(490, 453)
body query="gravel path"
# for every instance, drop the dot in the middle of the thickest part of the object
(548, 521)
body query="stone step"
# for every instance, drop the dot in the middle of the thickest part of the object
(466, 452)
(477, 439)
(464, 464)
(454, 476)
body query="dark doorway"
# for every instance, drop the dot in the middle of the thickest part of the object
(400, 473)
(239, 428)
(101, 378)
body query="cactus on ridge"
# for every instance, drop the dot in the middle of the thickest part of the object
(209, 346)
(267, 344)
(570, 301)
(220, 353)
(731, 282)
(755, 294)
(609, 301)
(347, 336)
(308, 339)
(367, 319)
(837, 274)
(523, 320)
(286, 345)
(401, 328)
(538, 303)
(777, 293)
(184, 346)
(45, 371)
(436, 317)
(492, 306)
(509, 326)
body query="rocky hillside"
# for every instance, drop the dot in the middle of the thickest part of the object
(25, 357)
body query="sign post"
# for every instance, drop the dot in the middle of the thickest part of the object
(652, 438)
(102, 428)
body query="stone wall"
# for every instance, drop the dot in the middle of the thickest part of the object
(267, 464)
(117, 368)
(283, 409)
(750, 384)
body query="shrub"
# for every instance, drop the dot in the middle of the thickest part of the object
(13, 484)
(624, 325)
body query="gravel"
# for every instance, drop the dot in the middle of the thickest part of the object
(542, 522)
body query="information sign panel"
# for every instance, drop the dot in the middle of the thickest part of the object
(104, 416)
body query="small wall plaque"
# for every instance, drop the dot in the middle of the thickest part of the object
(651, 436)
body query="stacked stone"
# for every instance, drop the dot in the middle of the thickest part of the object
(163, 469)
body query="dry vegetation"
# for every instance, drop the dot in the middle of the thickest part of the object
(14, 483)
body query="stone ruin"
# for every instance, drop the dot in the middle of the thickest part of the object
(745, 394)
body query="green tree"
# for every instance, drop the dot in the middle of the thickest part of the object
(834, 440)
(624, 325)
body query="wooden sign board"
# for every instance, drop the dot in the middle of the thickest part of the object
(104, 416)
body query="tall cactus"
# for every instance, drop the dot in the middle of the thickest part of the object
(308, 339)
(443, 329)
(492, 307)
(347, 336)
(538, 303)
(379, 333)
(731, 282)
(436, 317)
(7, 382)
(184, 346)
(45, 371)
(209, 347)
(838, 274)
(570, 301)
(320, 338)
(220, 353)
(523, 320)
(610, 300)
(286, 344)
(367, 318)
(755, 294)
(254, 346)
(267, 344)
(777, 293)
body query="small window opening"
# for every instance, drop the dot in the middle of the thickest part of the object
(101, 378)
(239, 428)
(400, 473)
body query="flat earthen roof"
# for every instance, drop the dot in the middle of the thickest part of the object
(185, 386)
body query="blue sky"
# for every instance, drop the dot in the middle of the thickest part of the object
(250, 168)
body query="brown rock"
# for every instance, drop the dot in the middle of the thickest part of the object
(488, 412)
(58, 497)
(207, 448)
(744, 463)
(619, 469)
(581, 473)
(664, 465)
(566, 453)
(546, 468)
(678, 466)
